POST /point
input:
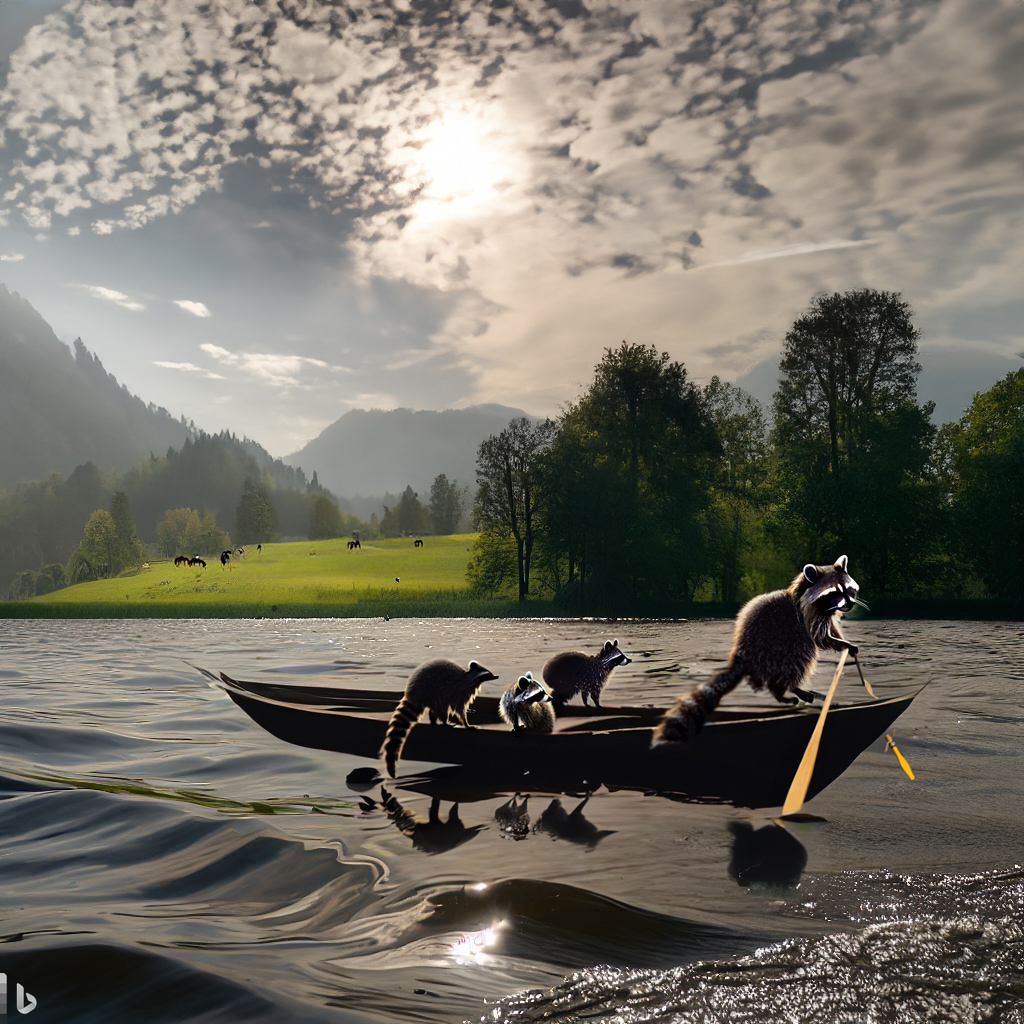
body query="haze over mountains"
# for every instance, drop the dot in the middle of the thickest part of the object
(60, 409)
(375, 451)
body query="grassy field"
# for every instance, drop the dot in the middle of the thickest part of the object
(305, 578)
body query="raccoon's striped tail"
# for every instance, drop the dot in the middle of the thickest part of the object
(406, 715)
(688, 716)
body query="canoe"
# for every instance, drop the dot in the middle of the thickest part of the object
(745, 755)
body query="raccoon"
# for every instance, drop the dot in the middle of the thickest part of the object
(441, 687)
(527, 705)
(573, 672)
(776, 640)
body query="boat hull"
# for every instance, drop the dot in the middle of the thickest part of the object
(745, 759)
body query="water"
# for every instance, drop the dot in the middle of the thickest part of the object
(164, 859)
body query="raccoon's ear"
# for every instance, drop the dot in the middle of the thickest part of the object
(607, 645)
(840, 563)
(474, 666)
(615, 642)
(810, 573)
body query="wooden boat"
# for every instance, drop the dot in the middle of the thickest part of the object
(746, 756)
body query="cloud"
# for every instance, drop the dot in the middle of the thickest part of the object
(801, 249)
(11, 257)
(110, 295)
(548, 179)
(195, 308)
(276, 369)
(188, 368)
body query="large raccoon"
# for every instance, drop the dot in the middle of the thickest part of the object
(527, 705)
(573, 672)
(776, 640)
(441, 687)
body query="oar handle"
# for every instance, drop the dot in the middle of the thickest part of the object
(798, 787)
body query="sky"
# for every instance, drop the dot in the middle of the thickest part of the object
(263, 214)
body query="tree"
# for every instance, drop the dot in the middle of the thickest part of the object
(411, 515)
(982, 458)
(507, 496)
(178, 532)
(93, 559)
(211, 538)
(255, 517)
(446, 501)
(129, 549)
(626, 482)
(325, 519)
(853, 444)
(850, 357)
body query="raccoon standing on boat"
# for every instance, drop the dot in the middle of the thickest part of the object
(527, 705)
(441, 687)
(776, 640)
(573, 672)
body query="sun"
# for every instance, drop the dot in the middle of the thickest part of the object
(459, 160)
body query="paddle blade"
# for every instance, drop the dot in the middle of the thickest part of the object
(899, 757)
(802, 780)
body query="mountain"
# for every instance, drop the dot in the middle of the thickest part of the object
(375, 451)
(59, 410)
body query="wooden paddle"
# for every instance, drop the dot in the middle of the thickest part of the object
(802, 779)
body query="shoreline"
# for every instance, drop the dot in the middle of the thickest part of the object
(423, 606)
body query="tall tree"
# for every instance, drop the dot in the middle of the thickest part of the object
(129, 549)
(325, 519)
(853, 443)
(255, 516)
(848, 358)
(445, 504)
(507, 495)
(627, 481)
(94, 558)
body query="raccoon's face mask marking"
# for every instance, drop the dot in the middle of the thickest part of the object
(529, 691)
(834, 589)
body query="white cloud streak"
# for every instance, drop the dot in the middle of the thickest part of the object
(275, 369)
(188, 368)
(803, 249)
(110, 295)
(195, 308)
(11, 257)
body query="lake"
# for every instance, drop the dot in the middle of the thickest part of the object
(164, 859)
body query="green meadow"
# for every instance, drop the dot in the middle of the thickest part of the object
(301, 578)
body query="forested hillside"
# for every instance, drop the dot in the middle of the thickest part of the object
(59, 410)
(42, 522)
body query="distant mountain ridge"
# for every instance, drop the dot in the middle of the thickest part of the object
(377, 451)
(60, 409)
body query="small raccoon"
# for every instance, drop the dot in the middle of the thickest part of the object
(441, 687)
(776, 640)
(573, 672)
(527, 705)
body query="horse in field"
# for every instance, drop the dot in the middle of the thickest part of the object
(181, 560)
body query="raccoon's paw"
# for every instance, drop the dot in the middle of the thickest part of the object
(685, 720)
(853, 649)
